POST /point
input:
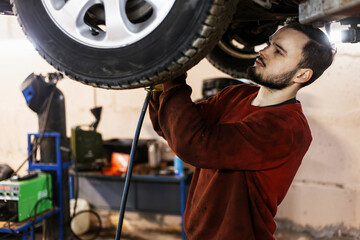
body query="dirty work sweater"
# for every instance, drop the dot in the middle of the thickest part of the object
(245, 157)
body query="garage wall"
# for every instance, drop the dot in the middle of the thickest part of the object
(326, 191)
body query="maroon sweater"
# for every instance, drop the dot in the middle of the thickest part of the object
(245, 157)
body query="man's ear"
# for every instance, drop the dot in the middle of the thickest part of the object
(303, 75)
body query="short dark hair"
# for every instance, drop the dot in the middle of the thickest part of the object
(318, 53)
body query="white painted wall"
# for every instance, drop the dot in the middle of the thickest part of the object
(326, 190)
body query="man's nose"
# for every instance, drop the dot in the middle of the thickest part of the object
(264, 52)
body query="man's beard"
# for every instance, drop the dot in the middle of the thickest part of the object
(275, 82)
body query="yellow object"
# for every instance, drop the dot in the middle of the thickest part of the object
(158, 87)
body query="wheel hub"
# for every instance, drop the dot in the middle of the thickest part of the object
(107, 23)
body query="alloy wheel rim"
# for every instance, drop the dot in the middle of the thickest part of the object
(107, 23)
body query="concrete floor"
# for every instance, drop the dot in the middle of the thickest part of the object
(158, 234)
(164, 227)
(159, 227)
(109, 234)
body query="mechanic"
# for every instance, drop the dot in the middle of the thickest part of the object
(248, 141)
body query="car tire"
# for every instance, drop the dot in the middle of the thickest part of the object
(235, 52)
(233, 63)
(188, 31)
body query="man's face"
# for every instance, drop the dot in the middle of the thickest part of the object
(278, 62)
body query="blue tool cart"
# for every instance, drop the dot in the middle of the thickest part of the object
(27, 226)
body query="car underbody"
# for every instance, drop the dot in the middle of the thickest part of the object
(145, 42)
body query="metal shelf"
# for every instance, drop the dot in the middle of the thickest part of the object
(27, 226)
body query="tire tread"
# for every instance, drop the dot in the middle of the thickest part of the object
(214, 25)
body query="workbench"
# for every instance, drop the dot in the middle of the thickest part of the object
(155, 194)
(150, 194)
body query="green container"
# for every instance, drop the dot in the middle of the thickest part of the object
(86, 146)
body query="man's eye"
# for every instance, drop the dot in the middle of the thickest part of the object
(277, 51)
